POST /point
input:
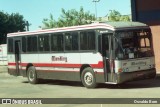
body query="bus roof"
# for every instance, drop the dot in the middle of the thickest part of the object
(126, 24)
(102, 25)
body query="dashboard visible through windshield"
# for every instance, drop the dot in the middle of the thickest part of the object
(134, 44)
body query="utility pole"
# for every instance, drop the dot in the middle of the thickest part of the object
(27, 26)
(96, 6)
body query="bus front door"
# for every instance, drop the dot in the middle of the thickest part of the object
(107, 53)
(17, 56)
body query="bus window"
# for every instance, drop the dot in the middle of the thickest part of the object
(75, 41)
(32, 44)
(43, 43)
(135, 43)
(83, 40)
(10, 45)
(142, 42)
(87, 40)
(23, 44)
(105, 45)
(68, 41)
(147, 42)
(91, 41)
(71, 41)
(57, 42)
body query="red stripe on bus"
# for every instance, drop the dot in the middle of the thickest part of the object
(99, 65)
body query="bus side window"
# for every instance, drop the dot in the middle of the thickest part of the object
(24, 44)
(68, 41)
(57, 42)
(91, 40)
(87, 40)
(75, 41)
(32, 44)
(43, 43)
(83, 40)
(71, 41)
(10, 45)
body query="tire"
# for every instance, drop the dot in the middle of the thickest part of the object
(32, 76)
(88, 78)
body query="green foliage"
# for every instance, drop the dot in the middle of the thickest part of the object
(69, 18)
(116, 16)
(10, 23)
(49, 23)
(73, 17)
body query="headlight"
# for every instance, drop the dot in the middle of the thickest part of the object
(125, 70)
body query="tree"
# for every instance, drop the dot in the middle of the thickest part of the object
(10, 23)
(49, 23)
(116, 16)
(125, 18)
(69, 18)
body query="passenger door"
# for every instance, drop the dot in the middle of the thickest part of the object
(107, 53)
(17, 48)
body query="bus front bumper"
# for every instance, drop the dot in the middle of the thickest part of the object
(138, 75)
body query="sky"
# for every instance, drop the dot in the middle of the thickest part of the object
(35, 11)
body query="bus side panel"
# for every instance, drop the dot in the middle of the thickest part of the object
(59, 75)
(73, 60)
(68, 75)
(12, 71)
(94, 59)
(28, 59)
(99, 76)
(11, 65)
(61, 66)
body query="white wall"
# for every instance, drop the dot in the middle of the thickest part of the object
(3, 54)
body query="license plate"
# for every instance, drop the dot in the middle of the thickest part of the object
(140, 74)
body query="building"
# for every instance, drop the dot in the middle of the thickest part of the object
(148, 11)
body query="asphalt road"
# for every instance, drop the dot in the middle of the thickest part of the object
(18, 87)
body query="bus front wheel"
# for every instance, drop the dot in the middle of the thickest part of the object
(32, 76)
(88, 78)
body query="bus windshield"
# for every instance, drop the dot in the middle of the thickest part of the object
(134, 44)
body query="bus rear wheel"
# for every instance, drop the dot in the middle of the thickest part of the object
(32, 76)
(88, 78)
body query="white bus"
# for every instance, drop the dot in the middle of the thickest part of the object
(113, 52)
(3, 54)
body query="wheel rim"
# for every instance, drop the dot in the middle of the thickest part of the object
(31, 75)
(88, 78)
